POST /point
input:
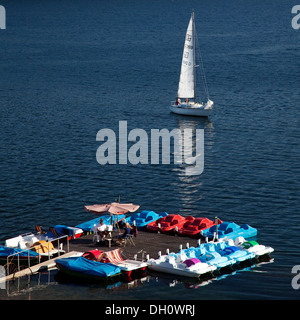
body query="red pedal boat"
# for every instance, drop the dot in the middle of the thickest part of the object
(128, 267)
(198, 224)
(154, 225)
(169, 223)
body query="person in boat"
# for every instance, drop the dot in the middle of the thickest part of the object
(101, 229)
(127, 230)
(177, 101)
(186, 100)
(102, 258)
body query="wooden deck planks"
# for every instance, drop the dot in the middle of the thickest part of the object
(148, 242)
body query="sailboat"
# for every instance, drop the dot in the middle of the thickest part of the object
(187, 81)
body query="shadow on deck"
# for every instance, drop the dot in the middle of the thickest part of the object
(145, 243)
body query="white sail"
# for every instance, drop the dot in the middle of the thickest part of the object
(186, 87)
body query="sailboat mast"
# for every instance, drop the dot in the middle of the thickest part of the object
(186, 86)
(194, 61)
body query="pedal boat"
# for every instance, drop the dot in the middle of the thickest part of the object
(82, 268)
(252, 246)
(229, 230)
(206, 253)
(179, 264)
(171, 223)
(195, 227)
(142, 219)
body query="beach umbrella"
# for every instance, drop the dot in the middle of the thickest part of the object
(114, 208)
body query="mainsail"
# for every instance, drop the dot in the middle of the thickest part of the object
(186, 87)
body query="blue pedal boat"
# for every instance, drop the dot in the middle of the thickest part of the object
(206, 253)
(86, 269)
(234, 252)
(13, 254)
(142, 219)
(230, 230)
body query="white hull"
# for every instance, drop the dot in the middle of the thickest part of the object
(130, 265)
(25, 241)
(188, 109)
(260, 250)
(176, 264)
(181, 272)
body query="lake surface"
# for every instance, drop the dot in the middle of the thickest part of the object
(71, 68)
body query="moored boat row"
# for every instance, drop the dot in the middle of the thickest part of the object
(208, 257)
(194, 227)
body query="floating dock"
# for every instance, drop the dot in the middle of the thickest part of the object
(37, 267)
(146, 243)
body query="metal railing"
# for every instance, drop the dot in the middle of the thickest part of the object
(11, 257)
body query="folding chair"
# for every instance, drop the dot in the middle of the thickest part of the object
(39, 229)
(126, 265)
(129, 238)
(114, 256)
(96, 237)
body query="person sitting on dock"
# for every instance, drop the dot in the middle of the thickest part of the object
(101, 229)
(127, 230)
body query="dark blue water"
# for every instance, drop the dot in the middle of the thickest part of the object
(71, 68)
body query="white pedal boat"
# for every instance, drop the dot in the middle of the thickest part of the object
(252, 246)
(31, 240)
(179, 264)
